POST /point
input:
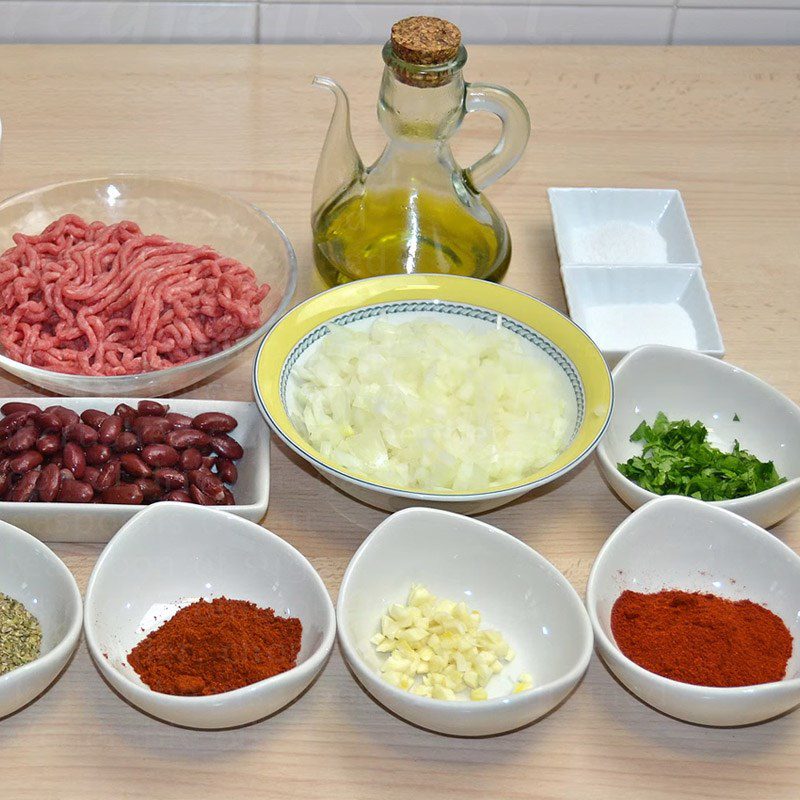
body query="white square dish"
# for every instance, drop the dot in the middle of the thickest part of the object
(90, 522)
(584, 212)
(623, 308)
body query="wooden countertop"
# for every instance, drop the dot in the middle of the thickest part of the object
(720, 124)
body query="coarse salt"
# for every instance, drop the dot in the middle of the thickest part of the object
(624, 326)
(618, 242)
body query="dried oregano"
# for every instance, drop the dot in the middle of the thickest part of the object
(20, 635)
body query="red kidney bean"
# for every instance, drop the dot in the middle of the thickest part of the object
(4, 445)
(207, 462)
(160, 455)
(22, 491)
(110, 428)
(226, 446)
(48, 483)
(126, 442)
(13, 422)
(226, 470)
(126, 413)
(134, 466)
(151, 491)
(125, 493)
(48, 421)
(23, 439)
(191, 459)
(48, 444)
(181, 438)
(208, 483)
(199, 497)
(90, 475)
(179, 420)
(94, 418)
(75, 492)
(151, 430)
(229, 500)
(26, 461)
(80, 433)
(151, 408)
(66, 415)
(214, 422)
(171, 478)
(74, 459)
(5, 482)
(108, 476)
(97, 454)
(13, 407)
(66, 474)
(178, 496)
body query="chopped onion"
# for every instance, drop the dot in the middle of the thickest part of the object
(427, 405)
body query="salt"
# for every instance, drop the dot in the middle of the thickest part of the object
(618, 242)
(627, 325)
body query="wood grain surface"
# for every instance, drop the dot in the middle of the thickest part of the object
(720, 124)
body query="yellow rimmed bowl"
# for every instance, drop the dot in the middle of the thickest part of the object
(467, 303)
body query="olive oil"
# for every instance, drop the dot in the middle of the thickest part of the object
(382, 233)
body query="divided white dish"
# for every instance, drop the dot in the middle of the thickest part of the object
(202, 553)
(33, 574)
(517, 591)
(77, 522)
(592, 290)
(686, 385)
(680, 543)
(659, 209)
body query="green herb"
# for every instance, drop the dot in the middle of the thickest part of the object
(677, 459)
(20, 635)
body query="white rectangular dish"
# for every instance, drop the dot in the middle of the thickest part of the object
(77, 522)
(623, 308)
(588, 221)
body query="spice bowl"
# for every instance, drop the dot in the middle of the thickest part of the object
(685, 544)
(33, 575)
(623, 308)
(731, 403)
(172, 554)
(517, 591)
(660, 211)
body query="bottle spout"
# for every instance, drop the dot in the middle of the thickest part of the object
(339, 163)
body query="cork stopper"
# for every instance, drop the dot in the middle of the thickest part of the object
(425, 40)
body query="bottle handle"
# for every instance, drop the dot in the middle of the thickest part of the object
(513, 137)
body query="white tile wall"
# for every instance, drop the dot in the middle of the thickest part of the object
(537, 21)
(100, 21)
(350, 22)
(737, 26)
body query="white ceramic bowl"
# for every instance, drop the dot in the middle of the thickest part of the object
(687, 385)
(33, 574)
(186, 212)
(662, 210)
(600, 297)
(171, 554)
(90, 522)
(517, 591)
(680, 543)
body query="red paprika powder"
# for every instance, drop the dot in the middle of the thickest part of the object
(701, 638)
(216, 646)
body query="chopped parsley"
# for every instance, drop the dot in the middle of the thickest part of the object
(677, 459)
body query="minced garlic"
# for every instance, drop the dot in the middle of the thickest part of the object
(437, 649)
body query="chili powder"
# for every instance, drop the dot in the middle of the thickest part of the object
(215, 646)
(701, 638)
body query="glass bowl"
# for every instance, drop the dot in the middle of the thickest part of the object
(184, 211)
